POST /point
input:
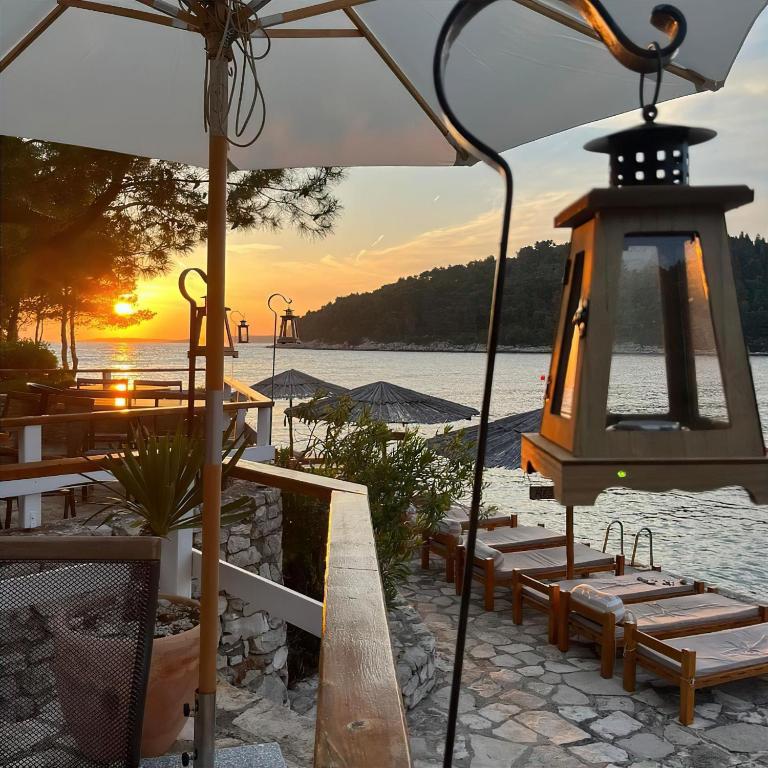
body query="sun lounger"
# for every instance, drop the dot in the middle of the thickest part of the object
(499, 569)
(697, 662)
(553, 597)
(445, 539)
(672, 617)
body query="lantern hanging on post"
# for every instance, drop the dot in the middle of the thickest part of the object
(243, 329)
(649, 296)
(289, 330)
(197, 316)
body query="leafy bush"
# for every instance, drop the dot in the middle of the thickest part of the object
(410, 486)
(27, 354)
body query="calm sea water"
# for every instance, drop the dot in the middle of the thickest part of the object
(718, 536)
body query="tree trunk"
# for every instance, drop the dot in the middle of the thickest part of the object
(39, 327)
(64, 344)
(12, 329)
(72, 342)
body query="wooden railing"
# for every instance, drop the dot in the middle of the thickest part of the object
(29, 487)
(360, 716)
(242, 393)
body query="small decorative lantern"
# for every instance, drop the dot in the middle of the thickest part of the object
(197, 334)
(243, 329)
(289, 331)
(649, 384)
(243, 332)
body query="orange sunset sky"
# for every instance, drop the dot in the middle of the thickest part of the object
(402, 221)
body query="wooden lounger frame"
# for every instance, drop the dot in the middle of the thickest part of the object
(558, 604)
(608, 643)
(485, 573)
(444, 544)
(685, 676)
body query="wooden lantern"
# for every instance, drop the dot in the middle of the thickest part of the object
(649, 298)
(289, 330)
(243, 332)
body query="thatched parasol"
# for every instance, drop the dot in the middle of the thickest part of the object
(293, 384)
(503, 447)
(389, 403)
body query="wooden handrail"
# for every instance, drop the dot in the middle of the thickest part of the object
(248, 392)
(360, 716)
(19, 422)
(293, 481)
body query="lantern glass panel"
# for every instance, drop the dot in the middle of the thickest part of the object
(562, 396)
(665, 372)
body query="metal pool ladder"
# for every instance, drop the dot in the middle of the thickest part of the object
(621, 534)
(649, 533)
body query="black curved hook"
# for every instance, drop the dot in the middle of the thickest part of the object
(665, 18)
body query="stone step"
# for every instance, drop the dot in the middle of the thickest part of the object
(253, 756)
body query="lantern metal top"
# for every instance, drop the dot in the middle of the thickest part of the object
(651, 154)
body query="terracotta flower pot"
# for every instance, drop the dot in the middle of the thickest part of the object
(172, 683)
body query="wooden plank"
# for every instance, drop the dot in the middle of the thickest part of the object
(293, 481)
(308, 12)
(79, 547)
(275, 34)
(360, 718)
(297, 609)
(30, 38)
(248, 392)
(19, 422)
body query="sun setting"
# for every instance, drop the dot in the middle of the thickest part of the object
(124, 308)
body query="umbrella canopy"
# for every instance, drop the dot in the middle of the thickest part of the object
(504, 437)
(295, 384)
(525, 69)
(390, 403)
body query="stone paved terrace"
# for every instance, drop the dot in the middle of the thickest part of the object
(525, 704)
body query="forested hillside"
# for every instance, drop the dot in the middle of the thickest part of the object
(451, 304)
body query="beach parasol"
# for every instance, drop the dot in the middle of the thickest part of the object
(389, 403)
(292, 384)
(341, 82)
(502, 450)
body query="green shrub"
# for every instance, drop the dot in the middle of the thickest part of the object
(27, 354)
(410, 486)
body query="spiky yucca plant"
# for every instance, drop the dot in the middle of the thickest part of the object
(161, 481)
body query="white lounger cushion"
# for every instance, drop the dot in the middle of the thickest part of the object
(722, 651)
(686, 612)
(460, 513)
(520, 537)
(630, 587)
(552, 559)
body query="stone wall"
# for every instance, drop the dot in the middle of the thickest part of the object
(413, 647)
(253, 651)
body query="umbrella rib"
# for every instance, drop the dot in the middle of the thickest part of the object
(114, 10)
(31, 36)
(170, 10)
(536, 6)
(298, 14)
(405, 81)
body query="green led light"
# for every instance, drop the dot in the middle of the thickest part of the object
(621, 473)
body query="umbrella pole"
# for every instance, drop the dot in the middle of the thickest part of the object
(569, 542)
(290, 424)
(205, 722)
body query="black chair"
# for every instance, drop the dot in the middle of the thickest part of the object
(76, 626)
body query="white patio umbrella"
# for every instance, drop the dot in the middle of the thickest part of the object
(346, 82)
